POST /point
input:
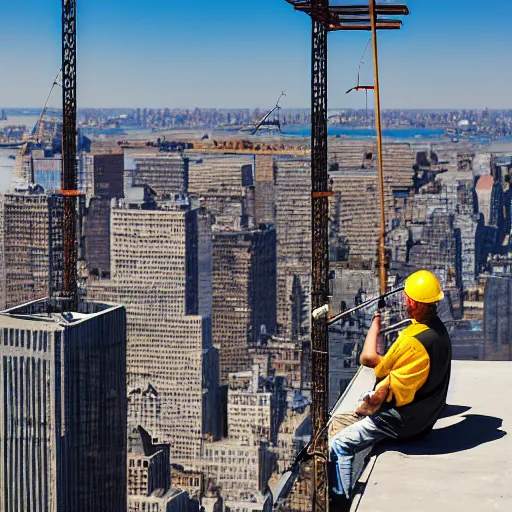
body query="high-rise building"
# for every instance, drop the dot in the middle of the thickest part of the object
(149, 477)
(96, 224)
(244, 303)
(149, 466)
(161, 271)
(438, 247)
(293, 247)
(2, 255)
(46, 169)
(226, 184)
(166, 174)
(264, 189)
(498, 318)
(25, 250)
(286, 358)
(101, 174)
(256, 407)
(398, 160)
(355, 216)
(63, 399)
(484, 189)
(239, 471)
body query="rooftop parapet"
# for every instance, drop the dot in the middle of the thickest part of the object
(463, 463)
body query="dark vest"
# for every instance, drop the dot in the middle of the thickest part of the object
(421, 414)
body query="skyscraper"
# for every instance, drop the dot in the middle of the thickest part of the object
(97, 236)
(166, 174)
(24, 249)
(244, 302)
(101, 174)
(293, 230)
(226, 184)
(498, 318)
(63, 399)
(354, 215)
(264, 188)
(161, 271)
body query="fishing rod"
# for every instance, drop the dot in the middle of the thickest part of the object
(324, 310)
(287, 479)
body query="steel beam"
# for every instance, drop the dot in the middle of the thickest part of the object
(69, 150)
(380, 9)
(381, 25)
(320, 254)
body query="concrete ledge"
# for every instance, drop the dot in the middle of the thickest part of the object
(363, 381)
(463, 464)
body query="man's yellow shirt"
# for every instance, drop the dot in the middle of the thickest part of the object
(407, 363)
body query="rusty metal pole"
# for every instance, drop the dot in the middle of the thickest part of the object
(69, 181)
(383, 278)
(320, 251)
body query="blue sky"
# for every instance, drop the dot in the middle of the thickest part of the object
(240, 53)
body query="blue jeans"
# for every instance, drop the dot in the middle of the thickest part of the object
(345, 445)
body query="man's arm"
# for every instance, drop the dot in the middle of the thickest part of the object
(369, 356)
(371, 404)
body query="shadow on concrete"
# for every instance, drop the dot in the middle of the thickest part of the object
(453, 410)
(472, 431)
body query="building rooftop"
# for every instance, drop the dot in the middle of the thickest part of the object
(59, 318)
(463, 464)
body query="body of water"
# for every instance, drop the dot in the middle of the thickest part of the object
(368, 133)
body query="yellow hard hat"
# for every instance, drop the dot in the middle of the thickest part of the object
(423, 286)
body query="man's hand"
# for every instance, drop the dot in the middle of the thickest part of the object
(368, 406)
(371, 401)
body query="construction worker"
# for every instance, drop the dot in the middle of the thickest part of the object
(412, 383)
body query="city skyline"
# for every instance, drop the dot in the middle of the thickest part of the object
(185, 308)
(222, 56)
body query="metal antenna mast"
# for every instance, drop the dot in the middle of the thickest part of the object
(327, 18)
(69, 182)
(320, 251)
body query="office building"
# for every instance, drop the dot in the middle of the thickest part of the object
(63, 399)
(24, 251)
(244, 302)
(161, 270)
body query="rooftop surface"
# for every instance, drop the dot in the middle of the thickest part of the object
(463, 464)
(37, 311)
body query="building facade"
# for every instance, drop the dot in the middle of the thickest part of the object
(63, 396)
(161, 271)
(293, 230)
(244, 302)
(166, 174)
(25, 250)
(225, 184)
(498, 318)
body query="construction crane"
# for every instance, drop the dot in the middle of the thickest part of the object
(265, 122)
(63, 206)
(326, 18)
(37, 132)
